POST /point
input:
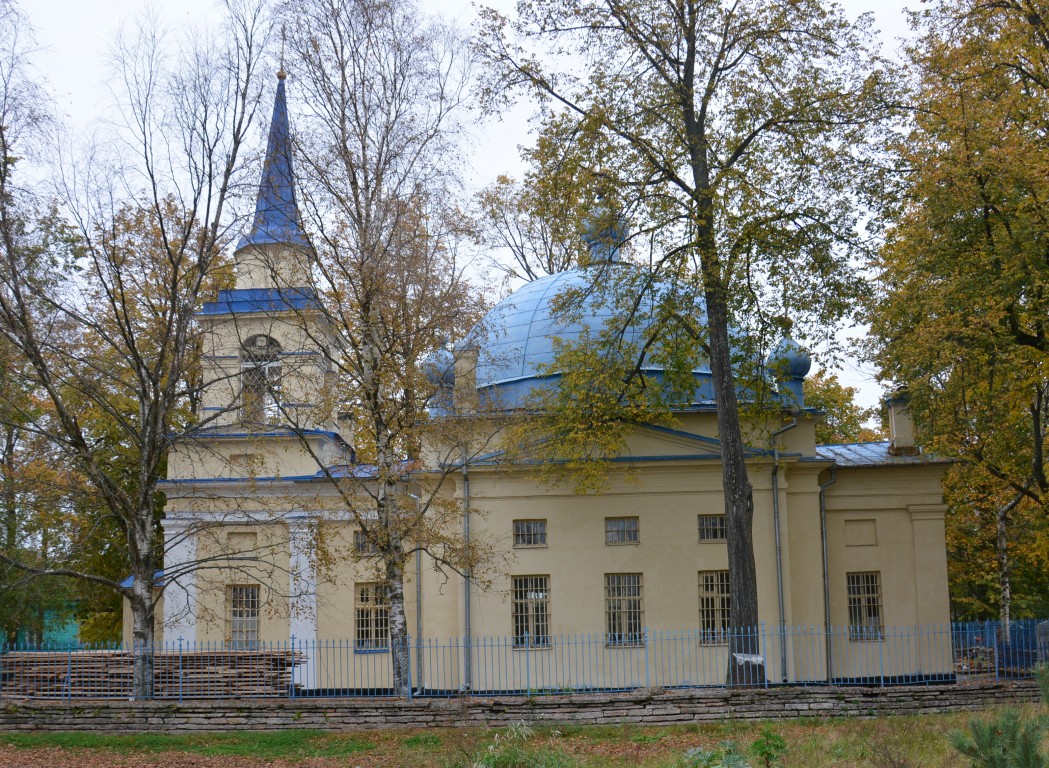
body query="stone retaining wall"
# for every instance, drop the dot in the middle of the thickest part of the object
(645, 707)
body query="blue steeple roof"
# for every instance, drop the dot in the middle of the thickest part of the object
(276, 214)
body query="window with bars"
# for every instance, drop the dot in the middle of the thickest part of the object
(260, 392)
(712, 528)
(621, 530)
(260, 380)
(242, 615)
(865, 609)
(530, 611)
(713, 607)
(624, 609)
(371, 618)
(362, 545)
(529, 533)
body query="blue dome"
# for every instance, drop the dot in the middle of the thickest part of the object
(515, 340)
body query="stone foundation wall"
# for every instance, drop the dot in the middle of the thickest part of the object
(645, 707)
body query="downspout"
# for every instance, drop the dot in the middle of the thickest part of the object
(419, 620)
(826, 567)
(779, 546)
(468, 586)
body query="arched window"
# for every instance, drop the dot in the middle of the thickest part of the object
(260, 380)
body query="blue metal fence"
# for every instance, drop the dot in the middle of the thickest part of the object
(493, 666)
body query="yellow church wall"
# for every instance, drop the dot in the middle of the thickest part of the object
(270, 543)
(889, 521)
(251, 456)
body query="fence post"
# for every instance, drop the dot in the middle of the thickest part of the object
(294, 666)
(180, 669)
(69, 672)
(408, 653)
(528, 664)
(647, 673)
(764, 656)
(881, 658)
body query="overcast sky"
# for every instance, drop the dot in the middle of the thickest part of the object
(74, 37)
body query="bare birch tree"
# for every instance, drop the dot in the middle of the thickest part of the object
(386, 89)
(107, 338)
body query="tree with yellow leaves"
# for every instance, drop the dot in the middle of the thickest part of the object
(962, 313)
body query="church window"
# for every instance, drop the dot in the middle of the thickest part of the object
(371, 617)
(260, 380)
(531, 611)
(865, 610)
(242, 615)
(621, 530)
(529, 533)
(713, 606)
(712, 528)
(624, 609)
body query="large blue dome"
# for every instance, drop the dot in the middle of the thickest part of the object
(515, 340)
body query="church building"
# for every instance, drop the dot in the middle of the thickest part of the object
(848, 539)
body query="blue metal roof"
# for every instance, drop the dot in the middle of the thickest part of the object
(246, 300)
(871, 455)
(276, 213)
(515, 340)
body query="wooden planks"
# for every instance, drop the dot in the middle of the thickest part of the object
(186, 675)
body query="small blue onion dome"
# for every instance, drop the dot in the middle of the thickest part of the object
(439, 367)
(790, 358)
(603, 234)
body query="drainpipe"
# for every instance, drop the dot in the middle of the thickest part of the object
(468, 585)
(826, 575)
(419, 620)
(779, 546)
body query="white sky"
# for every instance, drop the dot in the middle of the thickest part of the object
(74, 37)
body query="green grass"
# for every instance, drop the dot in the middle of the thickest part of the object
(423, 741)
(265, 745)
(895, 742)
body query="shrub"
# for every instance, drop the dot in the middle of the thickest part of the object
(1004, 741)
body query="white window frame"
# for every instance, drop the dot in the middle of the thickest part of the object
(624, 609)
(714, 615)
(866, 610)
(529, 533)
(371, 618)
(622, 531)
(243, 615)
(530, 610)
(712, 527)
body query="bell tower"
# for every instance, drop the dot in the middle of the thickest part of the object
(267, 418)
(266, 404)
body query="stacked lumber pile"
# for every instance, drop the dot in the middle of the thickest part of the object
(187, 675)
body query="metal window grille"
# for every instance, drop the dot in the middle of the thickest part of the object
(865, 609)
(372, 617)
(621, 530)
(260, 391)
(713, 607)
(624, 609)
(362, 545)
(712, 528)
(242, 615)
(529, 533)
(530, 611)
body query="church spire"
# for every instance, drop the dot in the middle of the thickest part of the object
(276, 213)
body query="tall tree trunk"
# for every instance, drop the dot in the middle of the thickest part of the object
(1002, 546)
(10, 520)
(141, 600)
(399, 650)
(744, 666)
